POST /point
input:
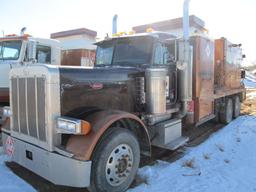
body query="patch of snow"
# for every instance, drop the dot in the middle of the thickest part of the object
(224, 162)
(8, 180)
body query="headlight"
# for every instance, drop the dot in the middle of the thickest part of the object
(7, 112)
(73, 126)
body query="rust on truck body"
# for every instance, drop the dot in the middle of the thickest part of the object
(228, 60)
(83, 146)
(216, 73)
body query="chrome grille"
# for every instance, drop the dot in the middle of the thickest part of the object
(28, 106)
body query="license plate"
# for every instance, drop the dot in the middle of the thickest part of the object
(9, 146)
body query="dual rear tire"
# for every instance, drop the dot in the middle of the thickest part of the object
(230, 110)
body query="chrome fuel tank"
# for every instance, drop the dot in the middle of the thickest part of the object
(156, 90)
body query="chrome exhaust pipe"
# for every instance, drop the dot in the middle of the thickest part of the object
(114, 24)
(185, 63)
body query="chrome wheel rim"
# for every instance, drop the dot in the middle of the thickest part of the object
(119, 165)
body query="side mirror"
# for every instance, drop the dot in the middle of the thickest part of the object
(31, 48)
(242, 74)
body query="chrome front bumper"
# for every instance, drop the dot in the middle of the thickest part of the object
(54, 167)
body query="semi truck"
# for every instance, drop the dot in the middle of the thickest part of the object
(17, 50)
(83, 127)
(89, 127)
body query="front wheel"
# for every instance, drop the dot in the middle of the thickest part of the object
(115, 161)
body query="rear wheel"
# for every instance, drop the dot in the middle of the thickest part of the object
(226, 115)
(236, 106)
(115, 161)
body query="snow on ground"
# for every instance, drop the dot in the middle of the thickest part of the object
(224, 162)
(250, 80)
(9, 182)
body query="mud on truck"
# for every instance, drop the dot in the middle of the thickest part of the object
(21, 50)
(89, 127)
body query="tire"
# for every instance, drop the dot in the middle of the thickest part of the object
(115, 161)
(236, 107)
(226, 115)
(216, 113)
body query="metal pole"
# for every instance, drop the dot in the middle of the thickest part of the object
(185, 70)
(186, 20)
(114, 25)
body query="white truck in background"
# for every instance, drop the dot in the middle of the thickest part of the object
(21, 50)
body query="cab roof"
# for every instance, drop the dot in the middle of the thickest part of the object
(51, 42)
(154, 34)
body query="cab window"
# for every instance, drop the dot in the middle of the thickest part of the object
(43, 54)
(162, 55)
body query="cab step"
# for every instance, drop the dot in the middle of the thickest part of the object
(173, 145)
(168, 135)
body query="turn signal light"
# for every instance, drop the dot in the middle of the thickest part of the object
(85, 127)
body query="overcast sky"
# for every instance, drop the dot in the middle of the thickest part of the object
(234, 19)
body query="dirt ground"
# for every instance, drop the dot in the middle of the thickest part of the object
(249, 105)
(200, 134)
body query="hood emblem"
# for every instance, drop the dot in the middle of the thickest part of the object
(96, 85)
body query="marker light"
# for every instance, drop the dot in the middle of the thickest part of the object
(149, 30)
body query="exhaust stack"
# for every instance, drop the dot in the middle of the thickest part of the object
(114, 24)
(22, 31)
(186, 20)
(185, 63)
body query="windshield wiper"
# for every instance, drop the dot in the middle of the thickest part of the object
(121, 63)
(102, 65)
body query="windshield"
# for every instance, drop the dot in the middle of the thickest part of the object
(125, 51)
(10, 50)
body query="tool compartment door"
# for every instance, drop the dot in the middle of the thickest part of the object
(203, 76)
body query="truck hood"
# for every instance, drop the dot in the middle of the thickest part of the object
(97, 88)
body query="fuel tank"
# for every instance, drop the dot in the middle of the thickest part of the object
(85, 90)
